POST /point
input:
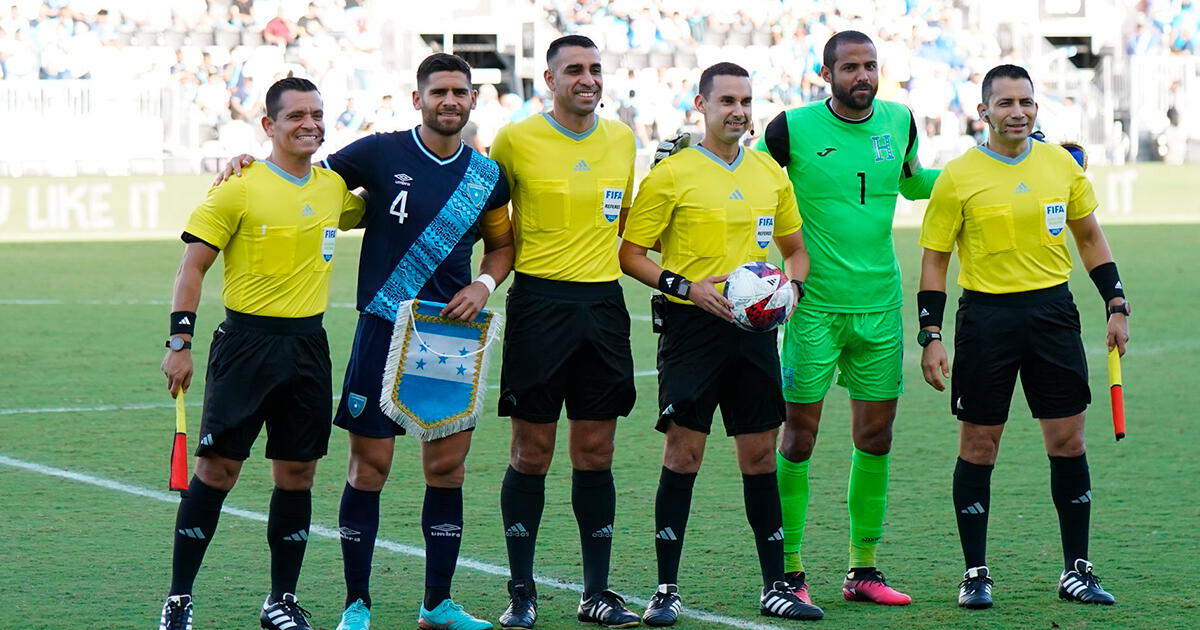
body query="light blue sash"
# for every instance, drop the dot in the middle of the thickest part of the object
(439, 238)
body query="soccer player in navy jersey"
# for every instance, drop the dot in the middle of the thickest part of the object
(410, 178)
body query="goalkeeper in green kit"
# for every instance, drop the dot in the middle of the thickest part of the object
(848, 157)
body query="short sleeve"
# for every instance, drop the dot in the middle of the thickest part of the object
(1083, 196)
(787, 213)
(500, 194)
(354, 208)
(943, 216)
(653, 207)
(354, 161)
(776, 141)
(501, 152)
(217, 219)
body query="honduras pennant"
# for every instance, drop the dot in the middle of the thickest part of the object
(435, 378)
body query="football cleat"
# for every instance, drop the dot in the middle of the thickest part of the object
(521, 613)
(795, 579)
(1081, 585)
(356, 617)
(449, 616)
(975, 591)
(285, 614)
(176, 613)
(869, 585)
(781, 601)
(607, 609)
(664, 605)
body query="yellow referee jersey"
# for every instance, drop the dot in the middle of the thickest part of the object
(567, 193)
(712, 216)
(1009, 216)
(277, 232)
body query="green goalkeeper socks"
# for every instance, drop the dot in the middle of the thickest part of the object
(867, 500)
(793, 497)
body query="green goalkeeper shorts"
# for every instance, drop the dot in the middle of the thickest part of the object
(866, 350)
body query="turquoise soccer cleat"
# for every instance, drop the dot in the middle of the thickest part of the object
(356, 617)
(450, 616)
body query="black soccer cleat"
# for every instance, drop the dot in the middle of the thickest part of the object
(607, 609)
(664, 606)
(781, 601)
(176, 613)
(285, 614)
(521, 613)
(1081, 585)
(975, 591)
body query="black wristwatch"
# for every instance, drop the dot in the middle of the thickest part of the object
(177, 343)
(1122, 308)
(799, 288)
(925, 337)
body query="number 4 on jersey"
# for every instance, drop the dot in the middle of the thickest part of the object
(398, 205)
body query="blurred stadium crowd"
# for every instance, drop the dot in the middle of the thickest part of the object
(223, 54)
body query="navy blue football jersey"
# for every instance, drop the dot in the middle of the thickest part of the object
(407, 186)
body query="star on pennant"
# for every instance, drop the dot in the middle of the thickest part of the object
(441, 360)
(462, 370)
(424, 348)
(463, 351)
(420, 364)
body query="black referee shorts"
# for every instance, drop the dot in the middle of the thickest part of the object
(704, 362)
(271, 370)
(566, 342)
(1031, 333)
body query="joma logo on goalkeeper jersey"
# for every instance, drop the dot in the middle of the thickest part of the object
(883, 147)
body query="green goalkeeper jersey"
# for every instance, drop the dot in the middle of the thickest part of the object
(846, 175)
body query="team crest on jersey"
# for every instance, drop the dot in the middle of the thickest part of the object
(356, 403)
(1056, 217)
(883, 147)
(764, 230)
(477, 194)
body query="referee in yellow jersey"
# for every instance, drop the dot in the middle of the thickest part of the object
(570, 174)
(269, 359)
(1008, 205)
(713, 207)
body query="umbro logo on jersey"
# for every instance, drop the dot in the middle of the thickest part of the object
(581, 166)
(299, 536)
(403, 179)
(777, 536)
(973, 509)
(736, 194)
(603, 532)
(666, 534)
(184, 321)
(1021, 188)
(353, 535)
(446, 529)
(827, 151)
(307, 211)
(516, 531)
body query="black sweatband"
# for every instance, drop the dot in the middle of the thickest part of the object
(1107, 281)
(674, 284)
(799, 289)
(930, 307)
(183, 322)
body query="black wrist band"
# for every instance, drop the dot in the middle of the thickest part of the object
(799, 289)
(1107, 281)
(183, 322)
(930, 307)
(674, 284)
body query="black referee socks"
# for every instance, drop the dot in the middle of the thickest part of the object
(972, 500)
(522, 498)
(287, 535)
(594, 498)
(763, 511)
(195, 524)
(1071, 489)
(671, 507)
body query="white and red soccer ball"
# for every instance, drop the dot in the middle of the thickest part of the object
(762, 296)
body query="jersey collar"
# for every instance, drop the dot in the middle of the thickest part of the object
(713, 156)
(852, 121)
(1004, 158)
(567, 132)
(299, 181)
(430, 154)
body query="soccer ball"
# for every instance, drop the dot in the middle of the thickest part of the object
(762, 296)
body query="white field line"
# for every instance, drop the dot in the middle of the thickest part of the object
(171, 405)
(332, 534)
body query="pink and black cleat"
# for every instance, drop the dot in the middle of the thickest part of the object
(869, 585)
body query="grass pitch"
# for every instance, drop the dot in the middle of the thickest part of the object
(81, 396)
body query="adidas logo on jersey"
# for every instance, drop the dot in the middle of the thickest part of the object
(666, 534)
(307, 211)
(299, 536)
(603, 532)
(973, 509)
(736, 194)
(516, 531)
(581, 166)
(1021, 188)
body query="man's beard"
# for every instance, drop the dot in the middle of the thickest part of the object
(430, 119)
(854, 99)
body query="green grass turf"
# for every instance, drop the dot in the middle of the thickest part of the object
(74, 555)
